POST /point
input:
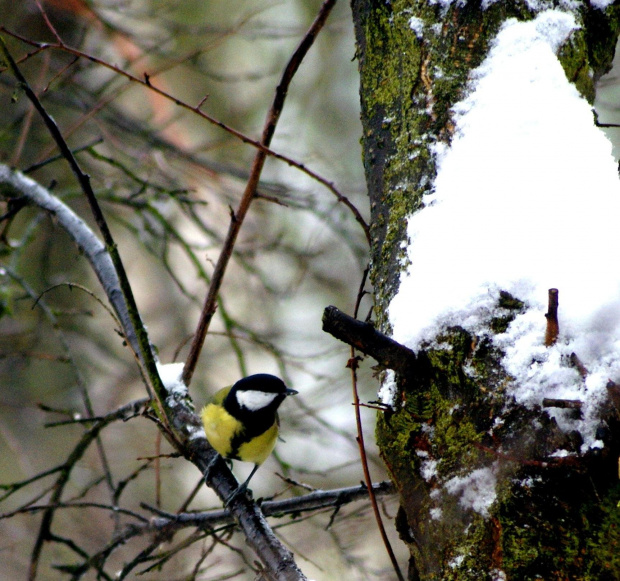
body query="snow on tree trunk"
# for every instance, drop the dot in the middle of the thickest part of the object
(490, 185)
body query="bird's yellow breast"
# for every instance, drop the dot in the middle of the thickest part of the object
(225, 434)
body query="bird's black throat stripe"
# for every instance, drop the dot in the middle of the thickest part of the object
(252, 423)
(252, 427)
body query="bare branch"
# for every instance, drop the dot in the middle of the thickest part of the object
(237, 217)
(185, 433)
(210, 119)
(17, 186)
(368, 340)
(316, 500)
(132, 323)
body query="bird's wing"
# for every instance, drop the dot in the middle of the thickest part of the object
(220, 396)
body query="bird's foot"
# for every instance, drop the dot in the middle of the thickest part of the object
(241, 489)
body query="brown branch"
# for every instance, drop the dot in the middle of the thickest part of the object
(365, 338)
(48, 23)
(578, 365)
(352, 365)
(573, 404)
(238, 217)
(553, 326)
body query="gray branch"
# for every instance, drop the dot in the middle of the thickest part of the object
(14, 185)
(316, 500)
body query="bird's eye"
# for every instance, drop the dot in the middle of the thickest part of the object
(254, 400)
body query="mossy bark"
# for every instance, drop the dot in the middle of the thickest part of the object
(553, 518)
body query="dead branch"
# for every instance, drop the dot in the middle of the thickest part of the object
(553, 326)
(364, 337)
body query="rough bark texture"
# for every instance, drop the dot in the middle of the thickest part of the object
(554, 518)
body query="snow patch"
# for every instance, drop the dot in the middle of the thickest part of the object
(417, 25)
(170, 375)
(428, 466)
(527, 198)
(476, 491)
(388, 391)
(601, 4)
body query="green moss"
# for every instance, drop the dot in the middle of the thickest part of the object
(604, 542)
(601, 29)
(574, 59)
(544, 537)
(452, 442)
(471, 561)
(395, 433)
(509, 307)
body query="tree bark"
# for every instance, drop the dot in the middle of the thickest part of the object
(553, 518)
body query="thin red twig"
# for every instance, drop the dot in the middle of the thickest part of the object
(352, 365)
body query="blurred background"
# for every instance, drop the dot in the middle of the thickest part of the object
(166, 180)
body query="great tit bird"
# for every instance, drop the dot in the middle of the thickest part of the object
(241, 422)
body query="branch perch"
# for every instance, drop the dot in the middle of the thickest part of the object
(188, 437)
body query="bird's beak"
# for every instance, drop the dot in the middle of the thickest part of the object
(291, 391)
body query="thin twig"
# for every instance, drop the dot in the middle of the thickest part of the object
(109, 507)
(238, 216)
(352, 365)
(54, 158)
(28, 117)
(48, 22)
(80, 381)
(71, 286)
(63, 478)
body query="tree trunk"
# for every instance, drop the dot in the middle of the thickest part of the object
(551, 517)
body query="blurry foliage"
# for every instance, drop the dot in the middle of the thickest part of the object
(166, 180)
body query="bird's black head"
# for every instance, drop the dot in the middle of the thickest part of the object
(257, 395)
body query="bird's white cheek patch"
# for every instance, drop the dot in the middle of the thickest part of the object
(255, 400)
